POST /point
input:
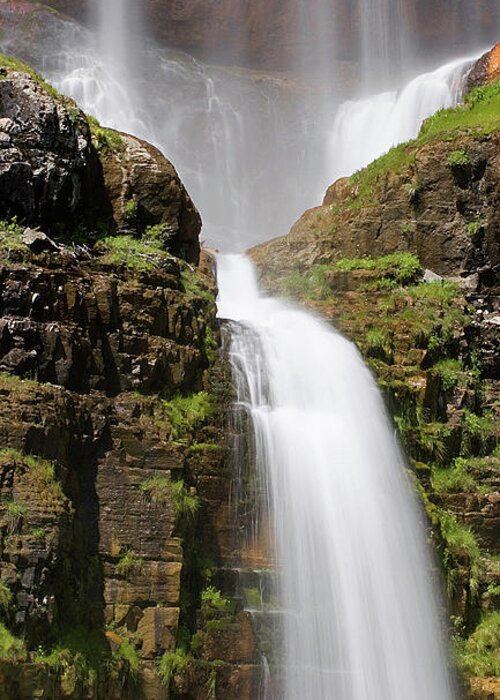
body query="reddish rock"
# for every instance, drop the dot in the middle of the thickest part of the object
(486, 70)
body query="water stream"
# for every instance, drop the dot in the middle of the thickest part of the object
(361, 620)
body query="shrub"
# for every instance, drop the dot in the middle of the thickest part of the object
(458, 159)
(214, 605)
(137, 255)
(127, 656)
(185, 413)
(129, 564)
(172, 664)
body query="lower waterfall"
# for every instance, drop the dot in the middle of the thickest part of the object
(360, 618)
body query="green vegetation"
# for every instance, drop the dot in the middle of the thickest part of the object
(11, 649)
(159, 234)
(138, 255)
(449, 371)
(479, 114)
(214, 606)
(460, 542)
(186, 413)
(39, 472)
(404, 268)
(161, 489)
(479, 655)
(478, 431)
(130, 210)
(10, 237)
(129, 564)
(395, 269)
(5, 596)
(82, 657)
(458, 159)
(173, 664)
(210, 345)
(128, 657)
(473, 228)
(194, 284)
(454, 479)
(105, 140)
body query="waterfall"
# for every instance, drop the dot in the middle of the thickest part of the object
(384, 41)
(365, 129)
(360, 615)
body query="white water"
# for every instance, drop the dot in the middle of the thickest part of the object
(361, 619)
(365, 129)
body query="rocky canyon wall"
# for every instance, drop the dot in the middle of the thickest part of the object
(278, 34)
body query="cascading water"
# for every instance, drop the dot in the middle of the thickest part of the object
(360, 617)
(360, 620)
(365, 129)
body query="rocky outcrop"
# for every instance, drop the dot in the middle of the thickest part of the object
(61, 172)
(486, 70)
(144, 191)
(114, 397)
(438, 200)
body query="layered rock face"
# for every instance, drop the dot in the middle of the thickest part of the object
(403, 258)
(62, 173)
(273, 35)
(114, 399)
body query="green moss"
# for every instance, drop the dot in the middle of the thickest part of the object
(82, 657)
(364, 181)
(130, 210)
(129, 564)
(479, 655)
(12, 649)
(5, 596)
(127, 657)
(215, 606)
(460, 543)
(137, 255)
(210, 345)
(10, 238)
(195, 286)
(478, 431)
(473, 228)
(160, 234)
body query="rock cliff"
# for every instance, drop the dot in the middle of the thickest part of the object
(403, 257)
(114, 400)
